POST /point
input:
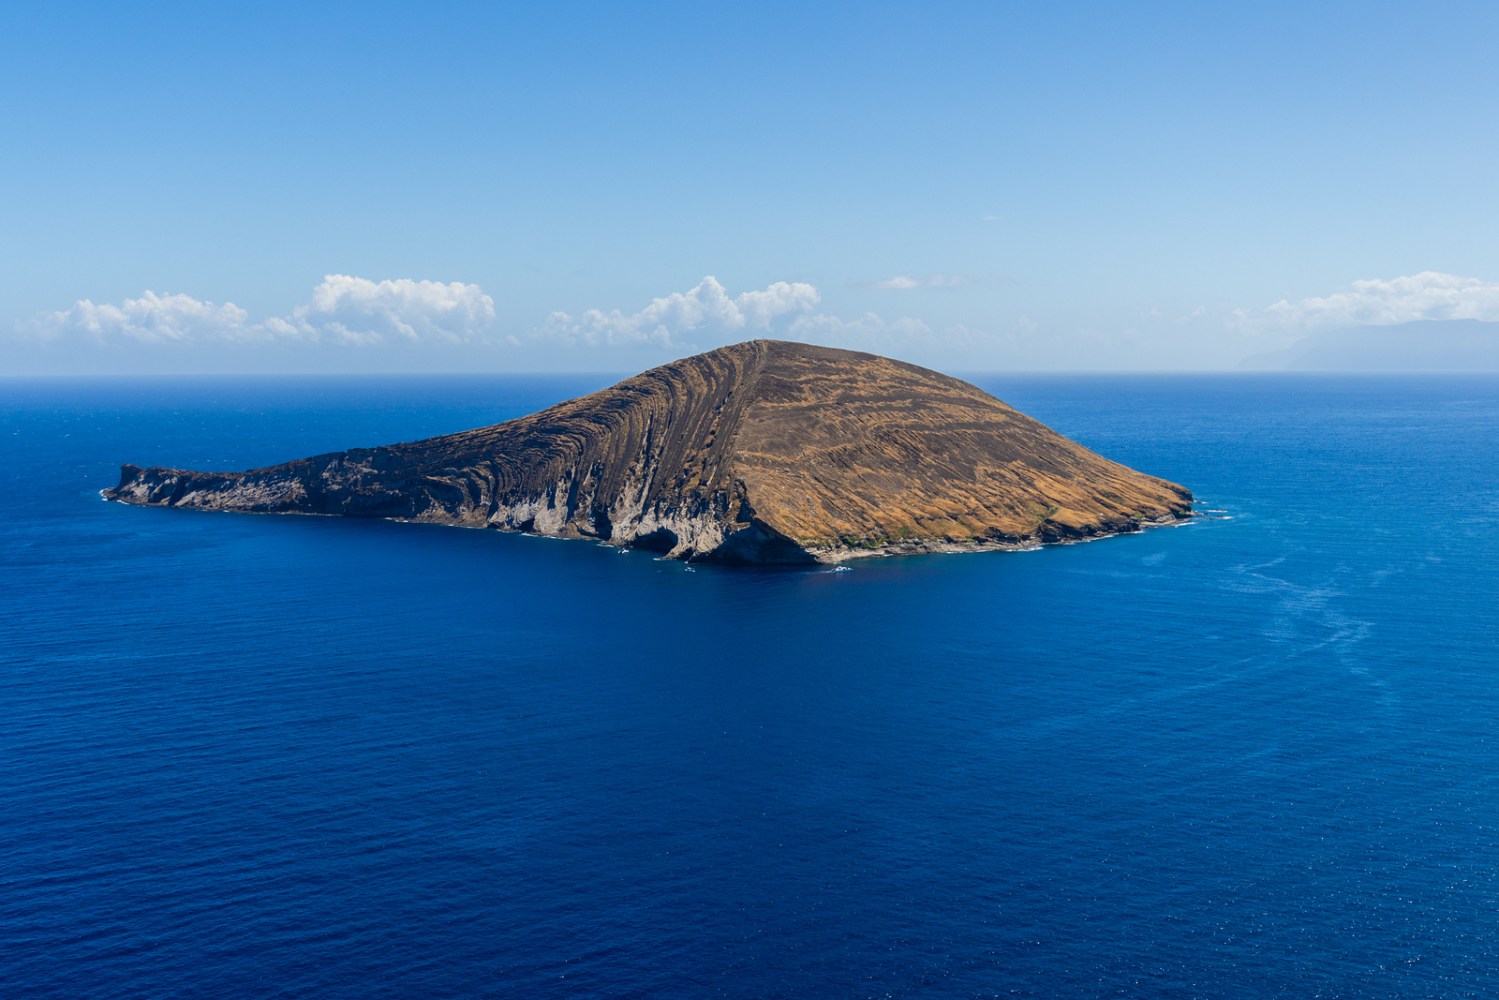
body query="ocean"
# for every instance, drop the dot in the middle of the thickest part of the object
(1256, 755)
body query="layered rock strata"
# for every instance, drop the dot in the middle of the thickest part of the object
(762, 452)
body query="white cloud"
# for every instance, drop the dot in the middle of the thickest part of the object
(343, 310)
(1429, 295)
(705, 311)
(357, 311)
(905, 282)
(707, 316)
(353, 312)
(150, 319)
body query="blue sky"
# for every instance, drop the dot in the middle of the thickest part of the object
(1086, 186)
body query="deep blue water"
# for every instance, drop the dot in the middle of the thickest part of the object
(1257, 755)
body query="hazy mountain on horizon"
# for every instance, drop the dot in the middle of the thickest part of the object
(1426, 345)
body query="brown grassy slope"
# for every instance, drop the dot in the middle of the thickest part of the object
(839, 445)
(837, 450)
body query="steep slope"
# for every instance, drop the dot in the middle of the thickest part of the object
(764, 451)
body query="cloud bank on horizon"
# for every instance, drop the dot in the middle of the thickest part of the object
(1430, 295)
(707, 308)
(352, 312)
(706, 316)
(343, 310)
(454, 320)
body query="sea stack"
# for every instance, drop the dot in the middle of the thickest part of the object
(761, 452)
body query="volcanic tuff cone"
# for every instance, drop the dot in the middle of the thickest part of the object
(765, 451)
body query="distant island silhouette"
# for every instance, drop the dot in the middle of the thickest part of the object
(1458, 345)
(761, 452)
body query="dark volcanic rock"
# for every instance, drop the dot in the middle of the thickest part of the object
(761, 452)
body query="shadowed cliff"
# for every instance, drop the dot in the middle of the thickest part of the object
(760, 452)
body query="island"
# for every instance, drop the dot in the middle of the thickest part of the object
(761, 452)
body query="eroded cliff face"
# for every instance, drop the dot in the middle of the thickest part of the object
(763, 452)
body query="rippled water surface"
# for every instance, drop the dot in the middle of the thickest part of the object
(279, 756)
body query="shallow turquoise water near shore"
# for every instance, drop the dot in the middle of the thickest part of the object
(1251, 756)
